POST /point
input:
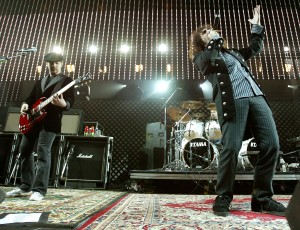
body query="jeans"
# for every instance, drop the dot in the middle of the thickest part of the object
(36, 178)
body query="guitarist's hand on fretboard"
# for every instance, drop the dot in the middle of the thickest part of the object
(59, 101)
(24, 108)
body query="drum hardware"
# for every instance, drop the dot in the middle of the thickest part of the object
(165, 123)
(178, 114)
(191, 104)
(211, 106)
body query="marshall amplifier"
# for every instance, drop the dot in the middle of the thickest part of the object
(87, 159)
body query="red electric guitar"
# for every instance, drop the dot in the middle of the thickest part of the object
(37, 111)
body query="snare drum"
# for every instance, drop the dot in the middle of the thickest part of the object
(200, 153)
(194, 129)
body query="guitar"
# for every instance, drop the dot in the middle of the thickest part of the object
(37, 111)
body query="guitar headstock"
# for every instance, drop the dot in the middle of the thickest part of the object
(84, 78)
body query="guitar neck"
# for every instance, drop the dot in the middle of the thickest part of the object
(61, 91)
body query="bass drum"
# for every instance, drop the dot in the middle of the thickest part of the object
(200, 153)
(248, 154)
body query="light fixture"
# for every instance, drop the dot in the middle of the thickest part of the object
(39, 69)
(70, 68)
(57, 49)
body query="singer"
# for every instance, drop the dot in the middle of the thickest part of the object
(34, 182)
(241, 107)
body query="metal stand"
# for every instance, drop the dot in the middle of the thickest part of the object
(66, 164)
(12, 154)
(165, 123)
(60, 152)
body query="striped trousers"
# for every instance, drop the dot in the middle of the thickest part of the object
(257, 112)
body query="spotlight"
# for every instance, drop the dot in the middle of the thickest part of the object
(83, 92)
(162, 86)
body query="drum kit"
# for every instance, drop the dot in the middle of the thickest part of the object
(193, 143)
(196, 144)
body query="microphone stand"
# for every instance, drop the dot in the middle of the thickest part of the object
(19, 54)
(165, 124)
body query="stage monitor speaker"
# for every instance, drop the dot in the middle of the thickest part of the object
(155, 158)
(72, 122)
(87, 159)
(12, 120)
(293, 209)
(155, 135)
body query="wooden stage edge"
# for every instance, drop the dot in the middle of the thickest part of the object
(160, 174)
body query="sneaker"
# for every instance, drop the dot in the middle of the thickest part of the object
(270, 206)
(17, 192)
(36, 196)
(221, 206)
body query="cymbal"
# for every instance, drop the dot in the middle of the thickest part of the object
(191, 104)
(211, 106)
(176, 114)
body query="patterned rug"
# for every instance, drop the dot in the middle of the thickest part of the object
(65, 206)
(183, 212)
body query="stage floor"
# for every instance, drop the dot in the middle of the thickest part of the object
(194, 174)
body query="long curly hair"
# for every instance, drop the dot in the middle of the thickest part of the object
(196, 44)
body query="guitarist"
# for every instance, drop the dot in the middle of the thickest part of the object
(34, 182)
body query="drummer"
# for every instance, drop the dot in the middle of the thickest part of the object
(212, 127)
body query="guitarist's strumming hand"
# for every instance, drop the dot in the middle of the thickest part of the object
(59, 100)
(24, 108)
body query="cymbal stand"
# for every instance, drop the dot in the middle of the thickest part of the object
(165, 123)
(66, 164)
(170, 153)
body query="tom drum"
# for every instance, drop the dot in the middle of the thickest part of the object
(193, 129)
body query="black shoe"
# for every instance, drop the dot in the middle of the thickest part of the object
(270, 206)
(221, 206)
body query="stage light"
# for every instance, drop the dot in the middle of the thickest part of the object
(169, 68)
(162, 86)
(39, 69)
(93, 49)
(124, 48)
(103, 70)
(57, 49)
(286, 49)
(70, 68)
(139, 68)
(162, 48)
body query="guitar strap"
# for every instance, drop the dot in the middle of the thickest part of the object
(58, 85)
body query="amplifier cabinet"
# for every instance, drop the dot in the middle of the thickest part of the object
(87, 159)
(155, 135)
(12, 120)
(72, 121)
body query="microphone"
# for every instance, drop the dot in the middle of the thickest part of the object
(25, 50)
